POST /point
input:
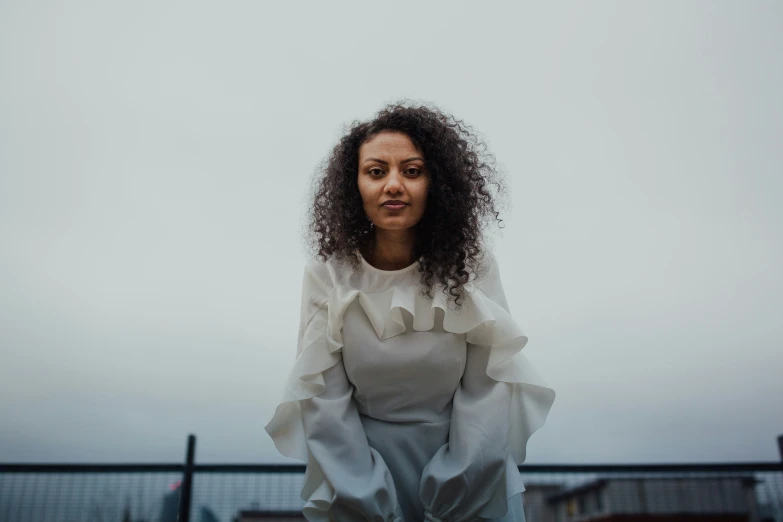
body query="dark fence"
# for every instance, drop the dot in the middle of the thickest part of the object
(190, 492)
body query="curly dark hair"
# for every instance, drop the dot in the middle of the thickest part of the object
(461, 202)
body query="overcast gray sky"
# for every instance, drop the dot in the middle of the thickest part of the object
(154, 164)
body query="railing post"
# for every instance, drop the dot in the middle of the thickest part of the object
(183, 513)
(780, 447)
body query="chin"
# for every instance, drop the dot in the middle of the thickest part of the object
(396, 226)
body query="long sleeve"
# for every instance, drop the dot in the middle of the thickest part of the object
(474, 472)
(346, 479)
(466, 472)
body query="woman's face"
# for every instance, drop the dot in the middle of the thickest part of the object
(391, 168)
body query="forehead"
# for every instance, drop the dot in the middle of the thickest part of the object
(389, 144)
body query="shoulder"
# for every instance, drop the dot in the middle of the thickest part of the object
(487, 272)
(323, 274)
(489, 282)
(316, 266)
(317, 269)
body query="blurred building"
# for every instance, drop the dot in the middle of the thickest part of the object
(643, 499)
(205, 514)
(698, 499)
(170, 506)
(269, 516)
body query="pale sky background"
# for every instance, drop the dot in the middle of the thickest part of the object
(154, 163)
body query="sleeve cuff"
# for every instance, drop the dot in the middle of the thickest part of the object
(430, 518)
(397, 517)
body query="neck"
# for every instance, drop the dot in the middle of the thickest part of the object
(391, 249)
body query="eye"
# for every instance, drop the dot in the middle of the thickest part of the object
(415, 170)
(373, 170)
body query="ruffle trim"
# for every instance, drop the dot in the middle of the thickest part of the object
(483, 321)
(320, 495)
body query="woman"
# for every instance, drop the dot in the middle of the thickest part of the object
(409, 399)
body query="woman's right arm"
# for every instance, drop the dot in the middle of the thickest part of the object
(355, 483)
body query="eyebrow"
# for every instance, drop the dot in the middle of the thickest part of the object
(385, 163)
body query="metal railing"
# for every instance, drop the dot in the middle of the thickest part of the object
(190, 492)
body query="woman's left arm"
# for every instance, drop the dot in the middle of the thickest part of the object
(472, 473)
(466, 473)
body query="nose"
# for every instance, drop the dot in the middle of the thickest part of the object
(394, 181)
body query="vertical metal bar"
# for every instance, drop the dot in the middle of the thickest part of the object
(183, 513)
(780, 447)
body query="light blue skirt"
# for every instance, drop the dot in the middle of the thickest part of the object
(406, 449)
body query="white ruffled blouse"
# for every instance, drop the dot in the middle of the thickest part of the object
(405, 408)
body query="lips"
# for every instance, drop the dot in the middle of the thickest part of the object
(389, 206)
(394, 204)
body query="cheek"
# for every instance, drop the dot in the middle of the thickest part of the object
(369, 197)
(421, 194)
(364, 192)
